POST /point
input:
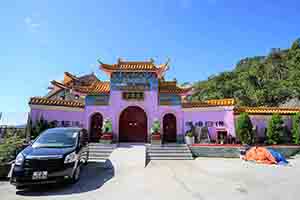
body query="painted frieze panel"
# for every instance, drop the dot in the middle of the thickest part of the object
(169, 99)
(137, 81)
(97, 100)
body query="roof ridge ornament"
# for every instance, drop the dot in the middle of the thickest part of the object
(99, 61)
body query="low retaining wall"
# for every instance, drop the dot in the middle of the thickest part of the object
(286, 150)
(221, 151)
(233, 151)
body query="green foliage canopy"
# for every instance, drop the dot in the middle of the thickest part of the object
(296, 129)
(258, 81)
(275, 129)
(244, 129)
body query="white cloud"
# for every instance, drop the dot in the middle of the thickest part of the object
(32, 26)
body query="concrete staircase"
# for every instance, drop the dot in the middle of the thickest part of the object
(169, 152)
(100, 152)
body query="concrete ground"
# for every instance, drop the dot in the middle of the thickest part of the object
(203, 178)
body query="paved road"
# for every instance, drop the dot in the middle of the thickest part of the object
(204, 178)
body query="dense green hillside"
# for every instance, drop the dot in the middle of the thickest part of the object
(258, 81)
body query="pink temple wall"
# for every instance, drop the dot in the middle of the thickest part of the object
(203, 114)
(59, 115)
(149, 105)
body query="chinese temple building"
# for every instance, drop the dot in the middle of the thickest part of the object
(136, 95)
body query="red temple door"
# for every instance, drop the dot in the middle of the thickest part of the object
(169, 128)
(96, 127)
(133, 125)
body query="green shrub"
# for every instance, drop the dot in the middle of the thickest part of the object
(244, 129)
(155, 129)
(9, 149)
(296, 129)
(107, 126)
(275, 129)
(40, 126)
(189, 134)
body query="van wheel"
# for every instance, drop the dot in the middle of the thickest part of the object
(76, 175)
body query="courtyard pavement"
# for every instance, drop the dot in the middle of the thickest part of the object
(203, 178)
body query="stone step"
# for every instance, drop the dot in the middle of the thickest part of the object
(171, 158)
(103, 146)
(99, 154)
(102, 150)
(168, 151)
(98, 157)
(97, 160)
(166, 147)
(170, 155)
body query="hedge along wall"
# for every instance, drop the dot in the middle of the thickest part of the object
(260, 122)
(233, 151)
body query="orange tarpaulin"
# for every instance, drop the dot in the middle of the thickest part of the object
(260, 155)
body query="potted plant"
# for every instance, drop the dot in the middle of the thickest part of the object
(222, 139)
(155, 133)
(107, 135)
(189, 138)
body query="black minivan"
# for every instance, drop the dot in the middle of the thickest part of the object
(55, 155)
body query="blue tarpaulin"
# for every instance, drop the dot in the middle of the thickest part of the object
(279, 157)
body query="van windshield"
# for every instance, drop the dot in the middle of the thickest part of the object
(56, 138)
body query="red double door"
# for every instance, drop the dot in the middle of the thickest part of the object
(133, 125)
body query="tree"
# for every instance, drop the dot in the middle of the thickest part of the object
(244, 129)
(275, 129)
(257, 81)
(39, 127)
(296, 129)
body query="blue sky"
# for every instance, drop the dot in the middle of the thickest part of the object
(40, 40)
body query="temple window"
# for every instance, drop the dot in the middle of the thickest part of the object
(220, 123)
(67, 123)
(209, 123)
(199, 123)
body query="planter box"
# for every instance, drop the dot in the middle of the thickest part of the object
(233, 151)
(105, 141)
(156, 139)
(106, 138)
(285, 150)
(189, 140)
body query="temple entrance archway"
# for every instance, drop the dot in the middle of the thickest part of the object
(169, 128)
(96, 127)
(133, 125)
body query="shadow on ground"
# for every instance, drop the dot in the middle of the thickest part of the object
(92, 177)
